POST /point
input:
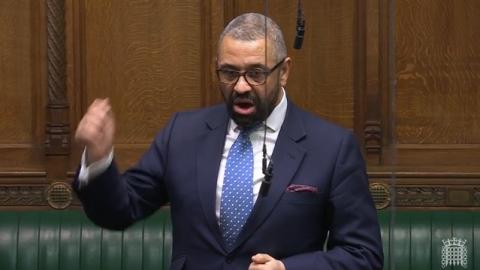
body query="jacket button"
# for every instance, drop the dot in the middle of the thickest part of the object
(229, 259)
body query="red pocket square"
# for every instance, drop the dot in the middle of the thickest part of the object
(302, 188)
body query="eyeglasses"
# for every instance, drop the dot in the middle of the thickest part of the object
(255, 76)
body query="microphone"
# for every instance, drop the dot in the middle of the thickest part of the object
(300, 27)
(267, 170)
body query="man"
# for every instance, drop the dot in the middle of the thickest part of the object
(208, 165)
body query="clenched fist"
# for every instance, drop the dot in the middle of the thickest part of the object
(262, 261)
(96, 130)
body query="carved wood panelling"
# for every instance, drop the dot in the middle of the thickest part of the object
(435, 188)
(150, 66)
(438, 72)
(422, 196)
(16, 72)
(425, 196)
(17, 195)
(371, 65)
(214, 15)
(372, 141)
(21, 115)
(57, 129)
(28, 196)
(405, 77)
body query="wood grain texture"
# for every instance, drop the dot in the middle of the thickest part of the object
(368, 108)
(438, 72)
(156, 57)
(145, 56)
(322, 76)
(213, 17)
(21, 86)
(15, 71)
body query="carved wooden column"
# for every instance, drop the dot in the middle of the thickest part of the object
(212, 15)
(57, 144)
(370, 89)
(58, 130)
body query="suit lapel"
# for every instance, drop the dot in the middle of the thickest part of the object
(209, 155)
(287, 157)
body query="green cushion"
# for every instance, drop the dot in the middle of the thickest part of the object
(414, 239)
(50, 240)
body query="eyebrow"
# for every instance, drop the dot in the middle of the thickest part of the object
(249, 67)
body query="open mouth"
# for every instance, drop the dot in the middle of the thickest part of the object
(244, 106)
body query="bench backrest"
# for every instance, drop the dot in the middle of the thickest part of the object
(49, 240)
(424, 240)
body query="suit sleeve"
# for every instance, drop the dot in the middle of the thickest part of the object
(354, 234)
(113, 200)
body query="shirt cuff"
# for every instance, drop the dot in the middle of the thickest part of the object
(93, 170)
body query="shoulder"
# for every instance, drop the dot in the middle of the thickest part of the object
(318, 136)
(327, 141)
(315, 125)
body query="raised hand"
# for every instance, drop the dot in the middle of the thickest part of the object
(96, 130)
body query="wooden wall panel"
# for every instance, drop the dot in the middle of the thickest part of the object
(16, 72)
(146, 57)
(23, 176)
(431, 145)
(213, 20)
(438, 63)
(322, 77)
(20, 122)
(402, 74)
(438, 74)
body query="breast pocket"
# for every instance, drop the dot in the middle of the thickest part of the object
(305, 198)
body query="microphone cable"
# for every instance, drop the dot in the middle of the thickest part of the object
(267, 169)
(300, 26)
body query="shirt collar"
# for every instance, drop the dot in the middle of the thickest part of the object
(274, 120)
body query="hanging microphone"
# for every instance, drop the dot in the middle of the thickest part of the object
(300, 27)
(267, 170)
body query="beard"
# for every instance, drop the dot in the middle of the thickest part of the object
(263, 107)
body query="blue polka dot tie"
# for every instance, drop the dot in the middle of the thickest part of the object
(237, 191)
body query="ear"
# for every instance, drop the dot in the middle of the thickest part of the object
(285, 71)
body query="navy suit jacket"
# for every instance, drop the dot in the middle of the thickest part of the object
(181, 167)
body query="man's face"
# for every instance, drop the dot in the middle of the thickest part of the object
(250, 104)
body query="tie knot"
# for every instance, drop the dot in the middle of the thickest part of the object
(248, 130)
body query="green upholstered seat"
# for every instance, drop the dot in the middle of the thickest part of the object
(413, 240)
(51, 240)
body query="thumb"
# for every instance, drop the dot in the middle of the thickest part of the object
(261, 258)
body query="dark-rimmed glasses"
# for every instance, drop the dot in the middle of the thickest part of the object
(254, 76)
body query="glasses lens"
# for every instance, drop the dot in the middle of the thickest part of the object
(256, 77)
(228, 76)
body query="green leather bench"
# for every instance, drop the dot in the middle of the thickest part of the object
(423, 240)
(67, 240)
(57, 240)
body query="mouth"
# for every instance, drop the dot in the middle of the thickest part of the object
(244, 106)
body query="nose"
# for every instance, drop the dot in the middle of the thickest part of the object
(242, 85)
